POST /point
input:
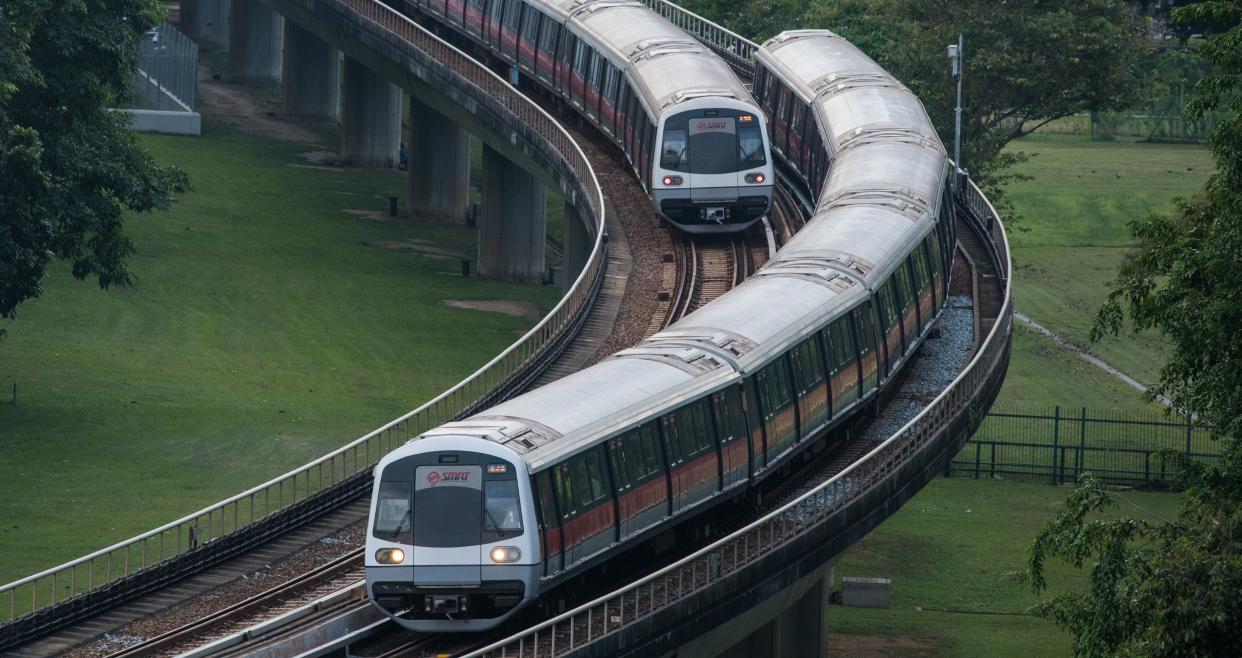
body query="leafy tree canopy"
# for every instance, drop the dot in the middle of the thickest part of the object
(1027, 63)
(1173, 587)
(69, 168)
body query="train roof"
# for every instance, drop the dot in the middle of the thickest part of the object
(805, 291)
(804, 58)
(558, 419)
(667, 65)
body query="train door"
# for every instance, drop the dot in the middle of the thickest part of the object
(549, 525)
(448, 523)
(675, 458)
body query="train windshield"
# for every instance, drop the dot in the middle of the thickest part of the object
(712, 142)
(393, 520)
(447, 505)
(502, 512)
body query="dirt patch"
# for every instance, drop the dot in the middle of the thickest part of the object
(517, 309)
(233, 105)
(881, 646)
(419, 247)
(377, 215)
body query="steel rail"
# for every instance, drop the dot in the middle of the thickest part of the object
(350, 561)
(775, 529)
(102, 572)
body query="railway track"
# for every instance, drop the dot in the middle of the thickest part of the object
(343, 573)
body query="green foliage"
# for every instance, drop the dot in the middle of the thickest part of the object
(1174, 588)
(69, 168)
(1034, 62)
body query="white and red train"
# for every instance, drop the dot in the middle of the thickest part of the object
(477, 518)
(691, 132)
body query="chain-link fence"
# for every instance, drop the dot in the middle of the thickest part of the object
(167, 76)
(1058, 444)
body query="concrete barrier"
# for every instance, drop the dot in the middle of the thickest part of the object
(866, 592)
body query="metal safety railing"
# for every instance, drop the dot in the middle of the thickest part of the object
(113, 566)
(734, 48)
(167, 73)
(640, 600)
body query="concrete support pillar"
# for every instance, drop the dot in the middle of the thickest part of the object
(312, 75)
(799, 631)
(512, 223)
(211, 23)
(187, 18)
(256, 41)
(578, 242)
(370, 118)
(439, 167)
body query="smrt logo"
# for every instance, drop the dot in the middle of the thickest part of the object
(435, 477)
(712, 125)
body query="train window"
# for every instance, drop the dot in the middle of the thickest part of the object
(547, 36)
(610, 82)
(511, 14)
(547, 508)
(580, 58)
(920, 267)
(795, 123)
(934, 244)
(565, 491)
(785, 105)
(672, 449)
(750, 146)
(810, 363)
(502, 512)
(620, 464)
(597, 68)
(581, 483)
(730, 421)
(568, 41)
(530, 25)
(774, 387)
(498, 7)
(392, 511)
(673, 154)
(595, 474)
(761, 78)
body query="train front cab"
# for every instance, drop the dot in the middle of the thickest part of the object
(452, 544)
(712, 173)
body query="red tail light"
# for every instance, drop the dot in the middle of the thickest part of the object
(755, 178)
(672, 180)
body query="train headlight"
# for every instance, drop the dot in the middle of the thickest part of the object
(504, 554)
(390, 556)
(755, 178)
(672, 180)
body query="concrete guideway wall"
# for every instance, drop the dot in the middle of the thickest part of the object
(60, 595)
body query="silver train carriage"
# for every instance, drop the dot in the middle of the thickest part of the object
(696, 415)
(690, 131)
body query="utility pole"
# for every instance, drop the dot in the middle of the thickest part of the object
(955, 61)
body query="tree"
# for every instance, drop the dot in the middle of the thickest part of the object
(1027, 63)
(69, 167)
(1173, 587)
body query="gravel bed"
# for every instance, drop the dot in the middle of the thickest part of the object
(649, 240)
(324, 550)
(940, 360)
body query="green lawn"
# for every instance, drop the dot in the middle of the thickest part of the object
(267, 326)
(1076, 209)
(954, 553)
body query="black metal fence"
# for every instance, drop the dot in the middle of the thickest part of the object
(1058, 444)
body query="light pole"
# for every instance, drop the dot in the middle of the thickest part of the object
(955, 60)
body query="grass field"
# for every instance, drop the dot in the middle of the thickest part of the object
(277, 314)
(954, 553)
(1075, 211)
